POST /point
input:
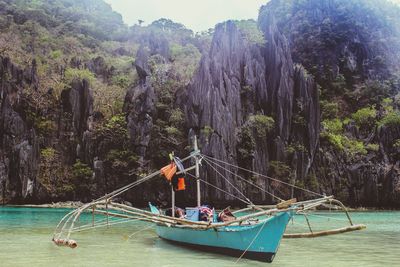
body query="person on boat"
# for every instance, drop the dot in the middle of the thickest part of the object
(179, 212)
(226, 215)
(206, 213)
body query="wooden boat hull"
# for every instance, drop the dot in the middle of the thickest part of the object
(260, 241)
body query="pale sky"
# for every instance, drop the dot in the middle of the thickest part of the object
(197, 15)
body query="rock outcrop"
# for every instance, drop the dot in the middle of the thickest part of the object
(78, 101)
(239, 82)
(19, 150)
(140, 100)
(236, 80)
(252, 103)
(350, 40)
(75, 123)
(20, 155)
(139, 105)
(345, 57)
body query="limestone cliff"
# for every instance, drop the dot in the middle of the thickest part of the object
(19, 150)
(308, 94)
(236, 81)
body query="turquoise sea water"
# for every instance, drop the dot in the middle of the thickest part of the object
(25, 235)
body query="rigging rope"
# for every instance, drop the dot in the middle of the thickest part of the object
(243, 179)
(216, 187)
(135, 183)
(69, 219)
(262, 175)
(226, 179)
(129, 186)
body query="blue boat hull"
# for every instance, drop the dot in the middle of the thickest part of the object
(260, 241)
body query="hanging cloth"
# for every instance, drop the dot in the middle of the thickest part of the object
(178, 183)
(169, 171)
(181, 184)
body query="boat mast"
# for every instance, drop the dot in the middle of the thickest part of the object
(197, 174)
(196, 149)
(171, 157)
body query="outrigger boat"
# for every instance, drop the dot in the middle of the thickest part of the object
(254, 232)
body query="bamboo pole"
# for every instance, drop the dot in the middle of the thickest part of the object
(327, 232)
(118, 215)
(315, 204)
(184, 221)
(192, 224)
(286, 204)
(313, 201)
(62, 222)
(77, 213)
(157, 220)
(187, 169)
(171, 220)
(344, 208)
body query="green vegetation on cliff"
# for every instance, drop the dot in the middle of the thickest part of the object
(136, 108)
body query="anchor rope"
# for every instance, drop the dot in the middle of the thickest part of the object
(262, 175)
(252, 241)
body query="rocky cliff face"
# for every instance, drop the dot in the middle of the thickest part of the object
(237, 81)
(261, 105)
(256, 106)
(348, 52)
(139, 104)
(75, 123)
(351, 41)
(19, 150)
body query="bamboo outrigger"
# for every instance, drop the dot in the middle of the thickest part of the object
(253, 232)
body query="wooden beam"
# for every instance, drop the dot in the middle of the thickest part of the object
(286, 204)
(327, 232)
